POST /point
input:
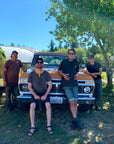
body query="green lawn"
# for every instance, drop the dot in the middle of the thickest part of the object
(98, 126)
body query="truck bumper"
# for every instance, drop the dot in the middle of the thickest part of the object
(57, 99)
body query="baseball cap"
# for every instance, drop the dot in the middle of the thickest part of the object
(39, 59)
(91, 57)
(14, 52)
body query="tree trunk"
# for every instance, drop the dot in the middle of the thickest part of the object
(108, 68)
(108, 71)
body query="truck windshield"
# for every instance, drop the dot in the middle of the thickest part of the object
(49, 60)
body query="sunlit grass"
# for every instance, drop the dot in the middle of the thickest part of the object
(75, 141)
(101, 124)
(106, 105)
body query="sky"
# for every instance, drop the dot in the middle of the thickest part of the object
(22, 22)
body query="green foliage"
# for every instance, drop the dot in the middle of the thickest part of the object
(63, 50)
(100, 59)
(104, 76)
(92, 22)
(93, 50)
(2, 61)
(81, 55)
(2, 54)
(51, 46)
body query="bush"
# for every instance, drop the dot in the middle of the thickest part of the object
(2, 61)
(104, 75)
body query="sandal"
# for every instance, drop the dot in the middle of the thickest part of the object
(32, 131)
(50, 129)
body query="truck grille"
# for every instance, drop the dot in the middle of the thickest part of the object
(57, 89)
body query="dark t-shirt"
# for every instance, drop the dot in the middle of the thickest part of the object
(39, 83)
(71, 68)
(94, 69)
(13, 68)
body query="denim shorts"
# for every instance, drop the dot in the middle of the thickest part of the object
(71, 93)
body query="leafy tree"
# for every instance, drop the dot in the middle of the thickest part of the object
(66, 46)
(60, 45)
(81, 55)
(93, 50)
(74, 45)
(51, 46)
(100, 59)
(2, 61)
(91, 21)
(12, 44)
(62, 50)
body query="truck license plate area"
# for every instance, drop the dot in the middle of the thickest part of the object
(56, 100)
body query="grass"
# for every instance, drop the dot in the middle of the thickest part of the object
(98, 126)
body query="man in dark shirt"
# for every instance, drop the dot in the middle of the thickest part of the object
(94, 69)
(69, 69)
(10, 77)
(39, 84)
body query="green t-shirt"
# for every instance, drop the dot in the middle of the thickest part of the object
(71, 68)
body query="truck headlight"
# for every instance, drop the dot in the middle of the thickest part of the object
(24, 87)
(87, 89)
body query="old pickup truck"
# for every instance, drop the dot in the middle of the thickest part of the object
(57, 95)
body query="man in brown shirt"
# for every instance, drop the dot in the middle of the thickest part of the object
(10, 77)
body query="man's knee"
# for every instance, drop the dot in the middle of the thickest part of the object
(48, 105)
(32, 106)
(73, 102)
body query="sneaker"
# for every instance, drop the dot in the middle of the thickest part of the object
(73, 126)
(97, 109)
(77, 124)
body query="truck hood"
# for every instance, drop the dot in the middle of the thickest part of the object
(55, 75)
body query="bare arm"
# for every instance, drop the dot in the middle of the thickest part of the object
(76, 77)
(63, 75)
(32, 91)
(93, 74)
(24, 69)
(86, 71)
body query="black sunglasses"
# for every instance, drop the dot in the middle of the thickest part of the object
(71, 53)
(39, 62)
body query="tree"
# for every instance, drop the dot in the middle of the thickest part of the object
(66, 46)
(81, 55)
(12, 44)
(92, 21)
(93, 50)
(51, 46)
(74, 45)
(2, 61)
(60, 45)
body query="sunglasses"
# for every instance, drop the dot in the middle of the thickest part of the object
(39, 62)
(71, 53)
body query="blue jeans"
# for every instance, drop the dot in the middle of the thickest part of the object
(11, 94)
(97, 91)
(71, 93)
